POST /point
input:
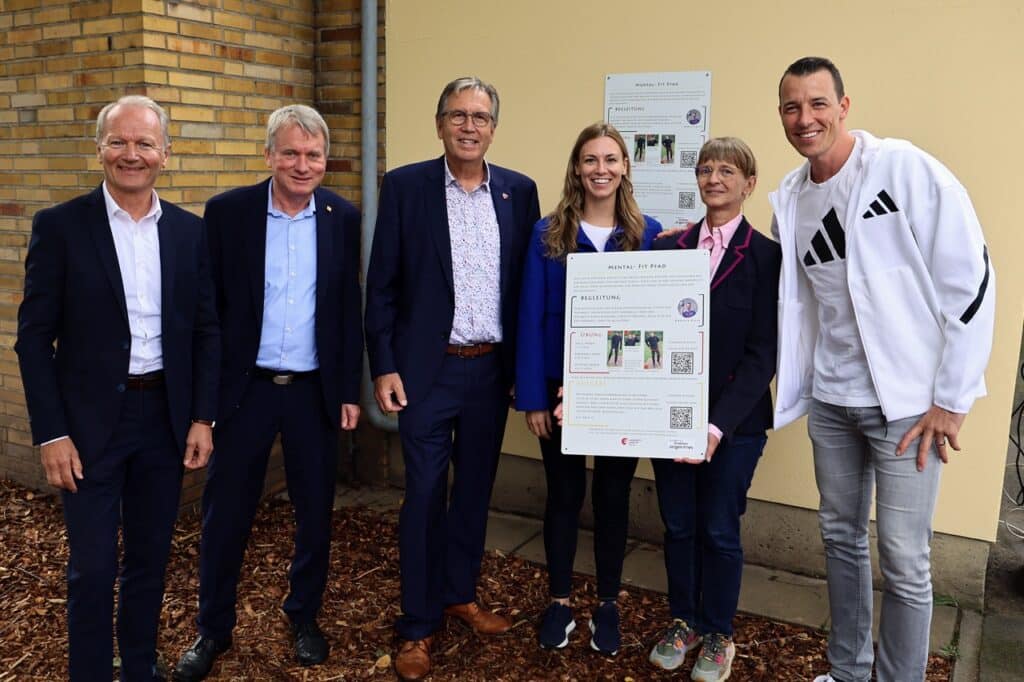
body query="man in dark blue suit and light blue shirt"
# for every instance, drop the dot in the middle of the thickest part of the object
(285, 257)
(120, 281)
(441, 307)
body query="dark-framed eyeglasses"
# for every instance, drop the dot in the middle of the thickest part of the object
(457, 117)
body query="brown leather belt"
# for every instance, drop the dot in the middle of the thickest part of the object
(141, 382)
(473, 350)
(282, 377)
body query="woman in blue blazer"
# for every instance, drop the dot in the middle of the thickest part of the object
(596, 213)
(701, 504)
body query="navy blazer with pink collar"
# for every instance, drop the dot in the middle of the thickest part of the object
(744, 323)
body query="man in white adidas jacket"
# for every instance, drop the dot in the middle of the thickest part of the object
(886, 307)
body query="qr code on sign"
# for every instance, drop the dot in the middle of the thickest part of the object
(686, 199)
(682, 363)
(688, 158)
(681, 417)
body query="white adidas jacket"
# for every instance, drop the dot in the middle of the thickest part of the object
(919, 276)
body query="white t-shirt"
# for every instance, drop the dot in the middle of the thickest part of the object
(597, 235)
(841, 373)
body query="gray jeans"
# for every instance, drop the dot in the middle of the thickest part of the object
(854, 451)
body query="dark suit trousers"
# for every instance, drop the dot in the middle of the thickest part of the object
(134, 483)
(234, 486)
(441, 539)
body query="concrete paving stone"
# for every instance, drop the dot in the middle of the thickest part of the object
(508, 532)
(534, 551)
(784, 596)
(965, 668)
(381, 499)
(1002, 648)
(645, 567)
(943, 631)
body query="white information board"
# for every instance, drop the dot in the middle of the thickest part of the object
(664, 118)
(636, 354)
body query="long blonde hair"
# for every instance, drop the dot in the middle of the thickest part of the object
(564, 221)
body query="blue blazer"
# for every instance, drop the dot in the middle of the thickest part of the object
(410, 296)
(744, 321)
(237, 224)
(541, 346)
(74, 296)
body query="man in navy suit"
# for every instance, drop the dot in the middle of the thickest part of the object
(441, 307)
(285, 260)
(120, 280)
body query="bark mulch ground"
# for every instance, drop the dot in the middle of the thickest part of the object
(359, 608)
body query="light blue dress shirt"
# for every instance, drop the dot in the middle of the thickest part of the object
(288, 336)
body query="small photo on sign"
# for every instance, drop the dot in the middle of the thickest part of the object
(615, 348)
(653, 341)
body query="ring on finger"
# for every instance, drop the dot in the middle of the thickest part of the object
(941, 442)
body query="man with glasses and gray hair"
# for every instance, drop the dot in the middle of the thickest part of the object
(285, 256)
(119, 353)
(442, 298)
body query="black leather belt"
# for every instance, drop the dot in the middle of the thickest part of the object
(141, 382)
(283, 377)
(472, 350)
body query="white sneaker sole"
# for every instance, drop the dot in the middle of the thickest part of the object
(565, 642)
(594, 646)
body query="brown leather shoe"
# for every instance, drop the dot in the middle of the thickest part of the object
(484, 622)
(413, 660)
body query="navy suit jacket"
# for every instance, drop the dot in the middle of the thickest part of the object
(237, 225)
(744, 322)
(74, 295)
(410, 295)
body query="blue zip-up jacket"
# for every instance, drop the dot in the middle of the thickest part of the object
(540, 348)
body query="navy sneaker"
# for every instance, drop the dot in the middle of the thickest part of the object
(604, 625)
(556, 626)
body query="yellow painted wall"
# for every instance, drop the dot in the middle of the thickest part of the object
(946, 74)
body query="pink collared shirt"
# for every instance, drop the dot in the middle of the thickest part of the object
(717, 239)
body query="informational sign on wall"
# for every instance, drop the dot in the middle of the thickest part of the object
(664, 118)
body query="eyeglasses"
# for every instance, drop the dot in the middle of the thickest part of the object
(142, 147)
(481, 119)
(704, 172)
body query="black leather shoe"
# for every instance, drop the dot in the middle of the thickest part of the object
(197, 661)
(310, 645)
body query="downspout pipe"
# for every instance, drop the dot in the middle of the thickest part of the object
(369, 190)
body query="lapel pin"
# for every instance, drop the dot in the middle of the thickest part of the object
(504, 195)
(329, 209)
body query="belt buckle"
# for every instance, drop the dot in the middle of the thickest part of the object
(465, 351)
(282, 379)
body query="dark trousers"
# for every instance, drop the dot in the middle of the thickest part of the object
(566, 477)
(701, 506)
(134, 483)
(234, 485)
(441, 539)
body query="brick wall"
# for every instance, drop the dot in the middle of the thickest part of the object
(218, 66)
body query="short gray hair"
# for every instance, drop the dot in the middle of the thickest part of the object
(307, 118)
(467, 83)
(133, 101)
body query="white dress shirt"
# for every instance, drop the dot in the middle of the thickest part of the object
(138, 256)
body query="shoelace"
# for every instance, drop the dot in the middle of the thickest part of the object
(714, 646)
(676, 633)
